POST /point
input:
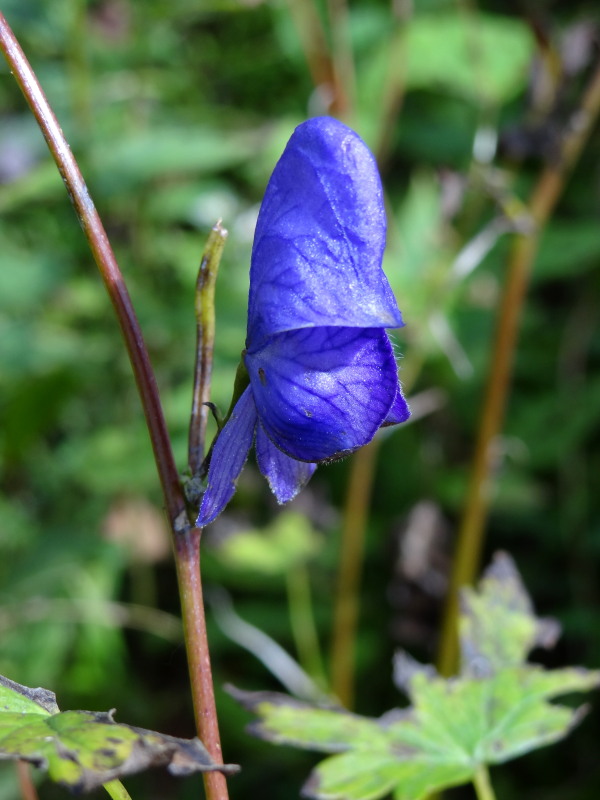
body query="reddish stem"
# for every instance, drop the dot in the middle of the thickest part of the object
(26, 785)
(185, 539)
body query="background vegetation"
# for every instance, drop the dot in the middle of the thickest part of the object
(177, 112)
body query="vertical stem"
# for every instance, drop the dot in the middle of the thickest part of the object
(317, 52)
(187, 560)
(354, 524)
(26, 785)
(303, 623)
(482, 784)
(541, 205)
(342, 56)
(346, 603)
(185, 539)
(392, 95)
(205, 341)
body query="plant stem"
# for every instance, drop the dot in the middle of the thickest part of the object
(542, 202)
(482, 784)
(185, 538)
(354, 525)
(116, 790)
(313, 41)
(342, 56)
(346, 603)
(205, 341)
(26, 785)
(302, 621)
(187, 561)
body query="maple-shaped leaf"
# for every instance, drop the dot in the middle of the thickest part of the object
(496, 709)
(83, 749)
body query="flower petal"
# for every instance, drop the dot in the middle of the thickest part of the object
(399, 412)
(320, 237)
(228, 458)
(286, 475)
(323, 392)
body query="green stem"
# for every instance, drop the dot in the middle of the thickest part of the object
(303, 624)
(185, 538)
(392, 95)
(116, 790)
(205, 342)
(482, 784)
(543, 200)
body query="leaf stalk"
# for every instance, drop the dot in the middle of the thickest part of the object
(483, 785)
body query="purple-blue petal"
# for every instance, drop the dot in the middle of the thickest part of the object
(320, 237)
(323, 392)
(399, 412)
(228, 458)
(286, 475)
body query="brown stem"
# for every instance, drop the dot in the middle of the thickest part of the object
(342, 56)
(541, 205)
(185, 539)
(354, 526)
(26, 785)
(187, 560)
(346, 606)
(313, 41)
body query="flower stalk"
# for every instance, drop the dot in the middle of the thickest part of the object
(186, 539)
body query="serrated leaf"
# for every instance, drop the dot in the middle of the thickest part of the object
(82, 750)
(498, 626)
(498, 708)
(284, 720)
(370, 774)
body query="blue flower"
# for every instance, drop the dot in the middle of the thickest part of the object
(322, 374)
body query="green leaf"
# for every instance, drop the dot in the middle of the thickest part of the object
(148, 154)
(289, 541)
(284, 720)
(498, 708)
(498, 625)
(477, 56)
(82, 750)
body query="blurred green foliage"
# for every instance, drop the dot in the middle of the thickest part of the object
(177, 112)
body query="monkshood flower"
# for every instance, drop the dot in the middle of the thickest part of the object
(322, 378)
